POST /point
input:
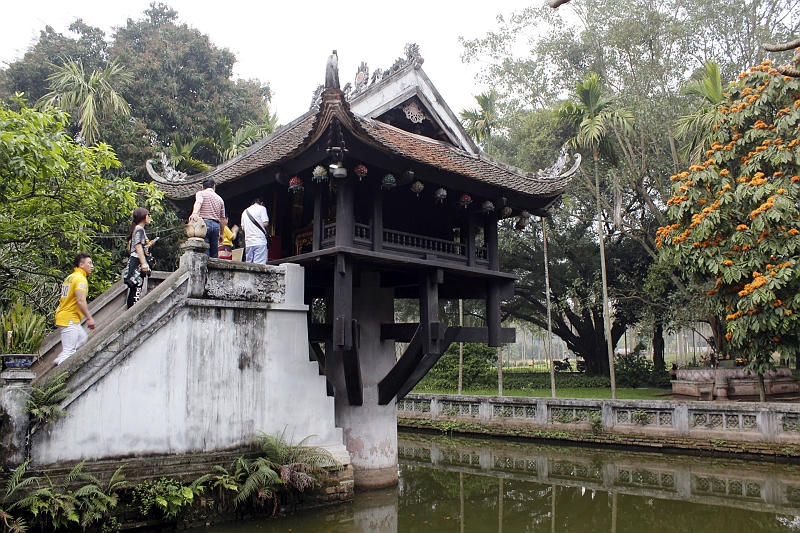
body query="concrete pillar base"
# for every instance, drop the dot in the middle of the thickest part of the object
(377, 478)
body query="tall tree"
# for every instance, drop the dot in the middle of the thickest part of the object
(93, 97)
(736, 227)
(482, 121)
(696, 127)
(595, 119)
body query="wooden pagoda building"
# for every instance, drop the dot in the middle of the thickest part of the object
(403, 205)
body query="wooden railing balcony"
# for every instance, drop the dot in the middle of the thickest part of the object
(408, 244)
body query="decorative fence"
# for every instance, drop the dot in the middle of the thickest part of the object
(734, 422)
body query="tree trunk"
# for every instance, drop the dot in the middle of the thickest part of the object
(606, 306)
(658, 347)
(718, 330)
(762, 391)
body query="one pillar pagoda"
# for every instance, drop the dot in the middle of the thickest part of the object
(380, 194)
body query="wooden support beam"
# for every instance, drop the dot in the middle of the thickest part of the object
(405, 332)
(427, 363)
(343, 303)
(493, 316)
(401, 371)
(352, 370)
(429, 309)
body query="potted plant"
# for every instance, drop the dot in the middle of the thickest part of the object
(22, 332)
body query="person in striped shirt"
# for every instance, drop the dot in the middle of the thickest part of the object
(209, 206)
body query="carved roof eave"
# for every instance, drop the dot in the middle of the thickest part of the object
(307, 130)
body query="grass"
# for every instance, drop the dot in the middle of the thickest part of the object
(604, 393)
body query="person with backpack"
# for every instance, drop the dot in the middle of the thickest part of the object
(255, 225)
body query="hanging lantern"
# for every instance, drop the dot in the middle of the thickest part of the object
(506, 212)
(440, 195)
(487, 206)
(295, 184)
(417, 187)
(465, 200)
(523, 220)
(388, 181)
(319, 173)
(361, 171)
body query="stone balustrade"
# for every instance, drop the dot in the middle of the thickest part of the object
(734, 422)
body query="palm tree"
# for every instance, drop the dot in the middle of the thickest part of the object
(594, 117)
(91, 98)
(482, 121)
(697, 127)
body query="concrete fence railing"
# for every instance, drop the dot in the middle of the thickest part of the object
(735, 422)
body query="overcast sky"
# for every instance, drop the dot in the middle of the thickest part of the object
(287, 43)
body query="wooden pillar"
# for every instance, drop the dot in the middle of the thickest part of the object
(319, 222)
(493, 317)
(490, 239)
(345, 211)
(429, 310)
(343, 302)
(377, 220)
(468, 237)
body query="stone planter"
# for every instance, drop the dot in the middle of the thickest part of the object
(18, 360)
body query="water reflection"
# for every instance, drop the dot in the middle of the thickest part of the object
(467, 485)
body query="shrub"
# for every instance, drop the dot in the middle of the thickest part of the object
(633, 369)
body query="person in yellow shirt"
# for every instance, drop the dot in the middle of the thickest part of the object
(72, 308)
(226, 238)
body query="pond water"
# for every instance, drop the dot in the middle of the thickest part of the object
(471, 485)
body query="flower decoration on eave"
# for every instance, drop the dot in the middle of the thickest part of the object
(388, 181)
(319, 173)
(506, 211)
(295, 184)
(440, 195)
(360, 171)
(465, 200)
(417, 187)
(523, 220)
(487, 206)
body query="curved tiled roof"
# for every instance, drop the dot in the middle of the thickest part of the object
(292, 139)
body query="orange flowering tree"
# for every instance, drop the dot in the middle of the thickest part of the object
(736, 223)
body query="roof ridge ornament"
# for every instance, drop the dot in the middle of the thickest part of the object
(332, 71)
(171, 175)
(363, 81)
(556, 172)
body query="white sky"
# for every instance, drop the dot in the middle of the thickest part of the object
(287, 43)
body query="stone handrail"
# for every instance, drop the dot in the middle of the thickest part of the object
(735, 422)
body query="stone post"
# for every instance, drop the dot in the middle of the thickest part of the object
(195, 260)
(14, 432)
(370, 430)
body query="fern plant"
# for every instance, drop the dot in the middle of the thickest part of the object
(23, 329)
(43, 401)
(14, 486)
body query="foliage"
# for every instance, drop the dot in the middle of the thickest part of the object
(27, 329)
(167, 496)
(596, 421)
(63, 506)
(736, 219)
(639, 417)
(697, 126)
(55, 201)
(16, 484)
(540, 380)
(91, 97)
(633, 369)
(43, 401)
(300, 466)
(482, 121)
(479, 368)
